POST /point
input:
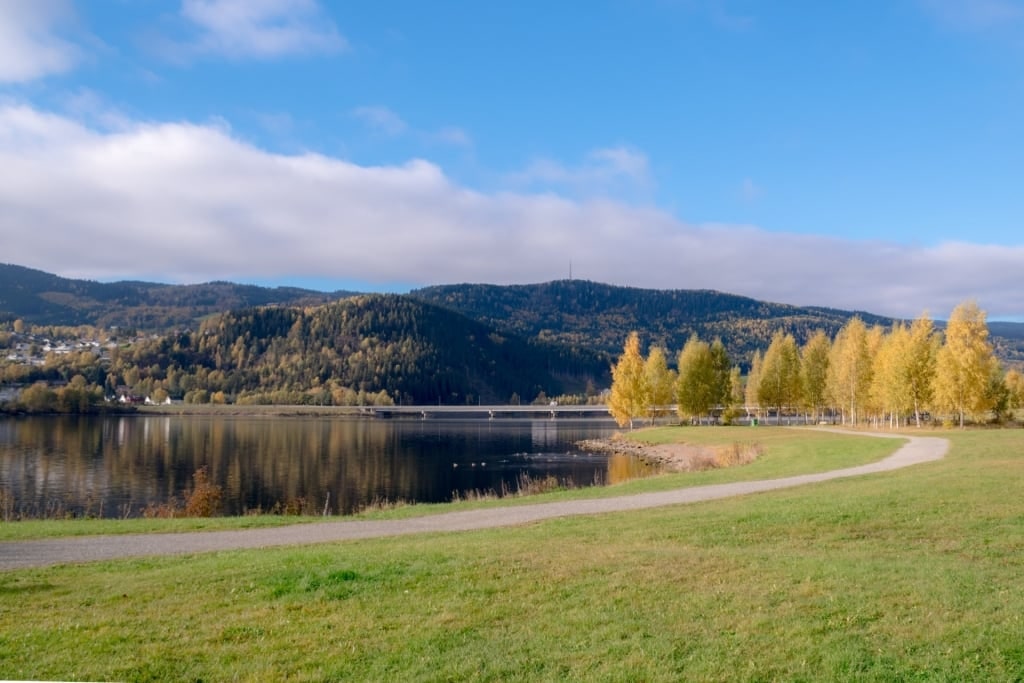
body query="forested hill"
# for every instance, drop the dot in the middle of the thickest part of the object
(414, 351)
(586, 316)
(41, 298)
(589, 314)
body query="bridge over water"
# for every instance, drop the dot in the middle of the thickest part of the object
(488, 411)
(551, 411)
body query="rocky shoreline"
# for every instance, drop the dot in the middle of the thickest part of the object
(673, 457)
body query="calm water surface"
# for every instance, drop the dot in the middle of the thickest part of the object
(116, 466)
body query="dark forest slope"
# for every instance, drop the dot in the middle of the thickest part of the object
(44, 299)
(416, 352)
(599, 316)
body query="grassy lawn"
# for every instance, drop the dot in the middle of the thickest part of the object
(907, 575)
(787, 452)
(912, 574)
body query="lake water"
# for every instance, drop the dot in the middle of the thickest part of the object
(116, 466)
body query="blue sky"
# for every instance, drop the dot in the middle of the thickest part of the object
(863, 155)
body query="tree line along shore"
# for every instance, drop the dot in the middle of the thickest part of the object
(355, 353)
(864, 375)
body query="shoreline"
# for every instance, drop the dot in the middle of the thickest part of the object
(670, 457)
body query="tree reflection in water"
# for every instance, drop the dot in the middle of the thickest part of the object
(109, 466)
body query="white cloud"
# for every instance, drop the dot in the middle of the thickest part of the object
(601, 171)
(187, 203)
(381, 119)
(257, 29)
(30, 45)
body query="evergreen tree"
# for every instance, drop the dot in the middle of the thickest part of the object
(753, 384)
(721, 369)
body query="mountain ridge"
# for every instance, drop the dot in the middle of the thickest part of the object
(576, 314)
(42, 298)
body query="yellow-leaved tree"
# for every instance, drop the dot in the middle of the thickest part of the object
(695, 387)
(889, 389)
(965, 364)
(661, 382)
(1015, 389)
(628, 398)
(920, 371)
(849, 370)
(780, 385)
(814, 372)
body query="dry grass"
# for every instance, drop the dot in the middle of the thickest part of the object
(525, 486)
(204, 500)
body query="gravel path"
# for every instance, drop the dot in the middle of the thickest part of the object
(42, 553)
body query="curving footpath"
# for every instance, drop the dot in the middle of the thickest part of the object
(43, 553)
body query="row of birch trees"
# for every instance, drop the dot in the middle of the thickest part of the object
(864, 374)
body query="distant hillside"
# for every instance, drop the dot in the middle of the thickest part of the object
(586, 317)
(592, 315)
(416, 352)
(44, 299)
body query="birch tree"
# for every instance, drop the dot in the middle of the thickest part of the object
(627, 399)
(780, 374)
(964, 364)
(814, 372)
(661, 381)
(695, 387)
(849, 369)
(1014, 381)
(920, 371)
(889, 389)
(736, 395)
(874, 341)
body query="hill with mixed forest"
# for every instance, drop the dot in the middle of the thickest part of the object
(587, 314)
(40, 298)
(447, 343)
(364, 349)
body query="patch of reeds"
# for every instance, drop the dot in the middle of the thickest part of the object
(726, 455)
(13, 510)
(525, 485)
(381, 504)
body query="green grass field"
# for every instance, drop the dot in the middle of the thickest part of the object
(906, 575)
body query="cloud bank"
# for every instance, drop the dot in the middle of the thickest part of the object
(30, 46)
(187, 203)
